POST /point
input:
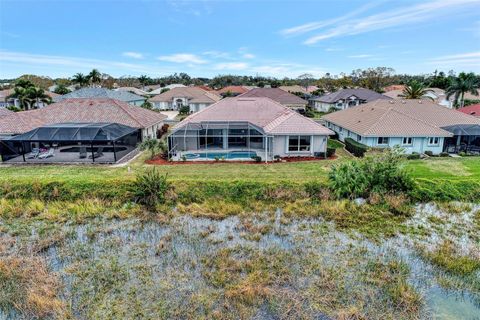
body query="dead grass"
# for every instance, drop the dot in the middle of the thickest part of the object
(27, 287)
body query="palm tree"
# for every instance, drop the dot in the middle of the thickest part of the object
(38, 95)
(80, 79)
(465, 82)
(416, 90)
(95, 76)
(21, 92)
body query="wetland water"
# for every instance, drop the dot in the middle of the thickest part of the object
(265, 266)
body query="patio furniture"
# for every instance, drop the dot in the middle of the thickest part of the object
(97, 154)
(83, 152)
(35, 153)
(48, 154)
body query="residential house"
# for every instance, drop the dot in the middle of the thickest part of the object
(299, 89)
(159, 89)
(15, 102)
(276, 94)
(434, 94)
(243, 127)
(473, 110)
(138, 92)
(344, 99)
(415, 125)
(232, 91)
(76, 130)
(174, 99)
(93, 93)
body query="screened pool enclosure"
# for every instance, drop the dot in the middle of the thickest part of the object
(219, 139)
(71, 143)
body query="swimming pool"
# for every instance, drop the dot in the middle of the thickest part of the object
(220, 155)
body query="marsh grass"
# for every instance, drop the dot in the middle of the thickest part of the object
(29, 289)
(454, 207)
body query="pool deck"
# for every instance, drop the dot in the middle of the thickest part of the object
(259, 152)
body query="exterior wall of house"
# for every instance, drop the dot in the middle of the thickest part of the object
(418, 145)
(340, 104)
(136, 103)
(151, 132)
(280, 146)
(195, 107)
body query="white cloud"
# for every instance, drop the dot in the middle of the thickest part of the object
(248, 56)
(469, 59)
(183, 58)
(361, 56)
(131, 54)
(231, 66)
(418, 13)
(217, 54)
(307, 27)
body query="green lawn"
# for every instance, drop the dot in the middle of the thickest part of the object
(438, 168)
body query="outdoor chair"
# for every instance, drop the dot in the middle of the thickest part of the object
(97, 154)
(83, 152)
(48, 154)
(35, 152)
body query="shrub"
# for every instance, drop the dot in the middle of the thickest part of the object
(153, 146)
(257, 158)
(356, 148)
(330, 152)
(444, 154)
(184, 110)
(380, 173)
(413, 156)
(429, 153)
(150, 187)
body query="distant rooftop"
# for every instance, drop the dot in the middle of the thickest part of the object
(361, 93)
(283, 97)
(100, 93)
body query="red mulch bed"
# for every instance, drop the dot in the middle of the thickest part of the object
(163, 161)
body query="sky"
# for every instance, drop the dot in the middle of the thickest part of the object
(204, 38)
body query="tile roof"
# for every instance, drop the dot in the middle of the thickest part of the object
(297, 88)
(194, 95)
(473, 110)
(100, 93)
(80, 110)
(262, 112)
(277, 95)
(399, 118)
(233, 89)
(394, 87)
(133, 90)
(5, 112)
(361, 93)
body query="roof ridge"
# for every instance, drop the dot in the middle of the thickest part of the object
(418, 119)
(123, 107)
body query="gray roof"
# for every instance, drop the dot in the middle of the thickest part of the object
(276, 94)
(101, 93)
(362, 94)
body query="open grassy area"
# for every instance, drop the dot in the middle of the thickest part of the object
(461, 169)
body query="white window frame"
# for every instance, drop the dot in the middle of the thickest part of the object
(407, 143)
(382, 143)
(431, 141)
(298, 146)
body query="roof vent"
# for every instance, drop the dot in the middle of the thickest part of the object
(420, 101)
(403, 101)
(391, 101)
(91, 103)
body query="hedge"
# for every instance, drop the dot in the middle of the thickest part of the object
(356, 148)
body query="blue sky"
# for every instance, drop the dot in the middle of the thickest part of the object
(206, 38)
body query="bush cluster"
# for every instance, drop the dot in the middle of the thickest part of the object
(381, 173)
(150, 188)
(356, 148)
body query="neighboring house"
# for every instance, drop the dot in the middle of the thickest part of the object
(276, 94)
(344, 99)
(473, 110)
(435, 94)
(174, 99)
(415, 125)
(83, 111)
(133, 90)
(72, 87)
(394, 87)
(241, 127)
(296, 88)
(14, 102)
(93, 93)
(232, 90)
(159, 89)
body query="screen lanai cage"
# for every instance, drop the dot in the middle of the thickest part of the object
(219, 140)
(71, 143)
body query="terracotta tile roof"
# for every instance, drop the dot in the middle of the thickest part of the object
(194, 94)
(361, 93)
(133, 90)
(5, 112)
(399, 118)
(394, 87)
(233, 89)
(262, 112)
(276, 94)
(294, 88)
(80, 110)
(473, 110)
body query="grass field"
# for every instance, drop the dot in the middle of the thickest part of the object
(458, 169)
